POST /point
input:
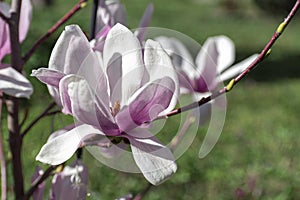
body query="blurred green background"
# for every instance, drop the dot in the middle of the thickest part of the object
(257, 152)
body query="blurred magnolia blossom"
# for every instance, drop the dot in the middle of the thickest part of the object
(70, 183)
(112, 12)
(113, 94)
(212, 65)
(11, 81)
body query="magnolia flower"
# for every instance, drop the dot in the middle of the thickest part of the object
(116, 94)
(71, 183)
(212, 65)
(39, 192)
(25, 18)
(112, 12)
(11, 81)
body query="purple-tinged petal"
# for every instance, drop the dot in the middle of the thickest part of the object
(71, 183)
(78, 98)
(98, 42)
(109, 13)
(226, 50)
(4, 31)
(207, 62)
(48, 76)
(70, 50)
(149, 103)
(237, 68)
(25, 19)
(39, 192)
(14, 84)
(158, 65)
(61, 148)
(117, 11)
(181, 57)
(155, 161)
(80, 101)
(104, 17)
(121, 41)
(144, 23)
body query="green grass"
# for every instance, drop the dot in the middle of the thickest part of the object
(259, 139)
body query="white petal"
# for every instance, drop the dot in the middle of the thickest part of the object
(154, 160)
(15, 84)
(121, 41)
(61, 148)
(181, 57)
(159, 65)
(70, 50)
(226, 52)
(25, 19)
(237, 68)
(206, 62)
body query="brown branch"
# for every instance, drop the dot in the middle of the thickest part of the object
(2, 158)
(38, 181)
(4, 18)
(59, 23)
(264, 53)
(12, 103)
(38, 118)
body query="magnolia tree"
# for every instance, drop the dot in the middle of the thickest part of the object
(120, 86)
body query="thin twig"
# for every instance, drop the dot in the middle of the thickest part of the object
(264, 53)
(26, 112)
(65, 18)
(38, 181)
(173, 144)
(2, 158)
(38, 118)
(94, 19)
(53, 113)
(4, 18)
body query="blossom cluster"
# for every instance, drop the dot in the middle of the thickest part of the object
(115, 86)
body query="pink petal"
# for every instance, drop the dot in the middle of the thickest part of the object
(25, 19)
(159, 65)
(4, 32)
(150, 102)
(144, 23)
(48, 76)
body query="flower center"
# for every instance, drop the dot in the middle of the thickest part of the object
(116, 108)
